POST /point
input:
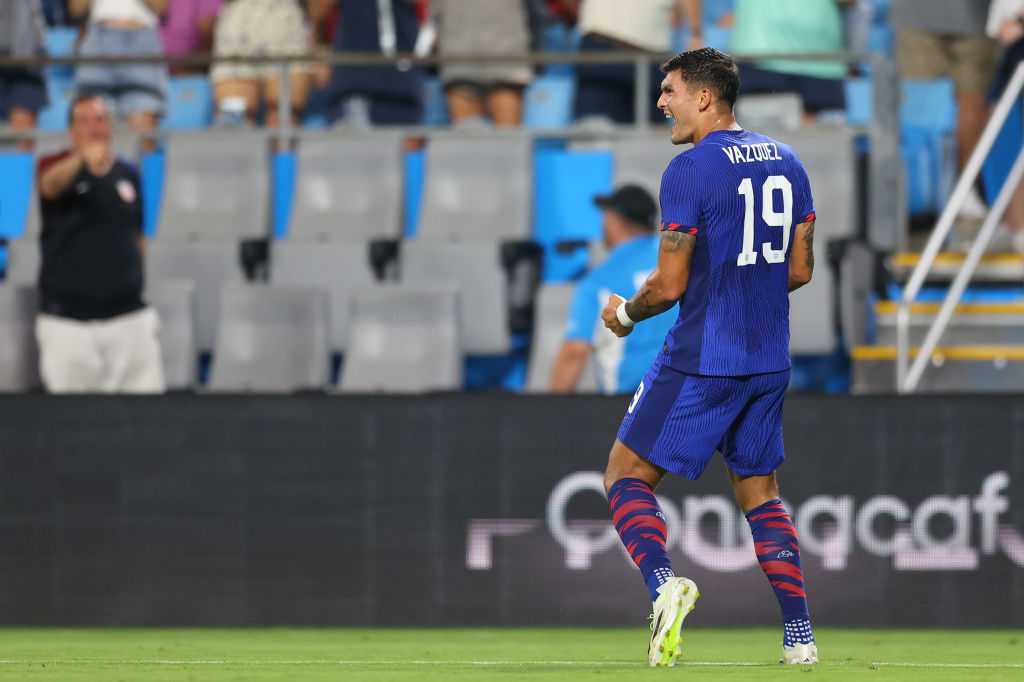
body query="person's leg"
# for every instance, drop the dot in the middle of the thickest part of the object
(246, 92)
(131, 354)
(69, 361)
(753, 451)
(299, 83)
(464, 102)
(505, 106)
(973, 67)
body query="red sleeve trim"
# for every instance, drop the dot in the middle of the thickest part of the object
(47, 161)
(809, 218)
(677, 227)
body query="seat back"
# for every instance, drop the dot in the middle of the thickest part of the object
(478, 187)
(271, 339)
(174, 302)
(348, 187)
(553, 302)
(475, 269)
(23, 261)
(337, 267)
(209, 266)
(403, 339)
(189, 103)
(19, 355)
(217, 187)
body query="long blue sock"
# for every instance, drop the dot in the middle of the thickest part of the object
(641, 526)
(778, 551)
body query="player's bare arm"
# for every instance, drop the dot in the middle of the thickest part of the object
(801, 258)
(662, 289)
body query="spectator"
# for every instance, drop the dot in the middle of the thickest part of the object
(1006, 24)
(381, 95)
(22, 90)
(485, 27)
(792, 26)
(128, 28)
(629, 224)
(608, 90)
(95, 334)
(260, 28)
(939, 38)
(187, 30)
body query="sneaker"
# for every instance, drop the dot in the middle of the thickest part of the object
(676, 599)
(800, 654)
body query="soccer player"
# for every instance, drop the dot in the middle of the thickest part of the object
(736, 238)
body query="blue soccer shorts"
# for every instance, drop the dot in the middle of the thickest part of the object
(677, 421)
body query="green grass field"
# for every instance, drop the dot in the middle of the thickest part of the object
(297, 655)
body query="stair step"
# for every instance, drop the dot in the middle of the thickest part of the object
(994, 267)
(957, 369)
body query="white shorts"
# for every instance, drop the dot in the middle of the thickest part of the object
(119, 355)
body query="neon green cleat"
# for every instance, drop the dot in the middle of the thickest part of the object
(676, 598)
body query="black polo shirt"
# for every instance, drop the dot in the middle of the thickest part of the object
(91, 260)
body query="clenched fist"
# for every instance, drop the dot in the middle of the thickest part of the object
(611, 318)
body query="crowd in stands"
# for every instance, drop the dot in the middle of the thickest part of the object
(974, 43)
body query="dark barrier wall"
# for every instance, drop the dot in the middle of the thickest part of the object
(483, 509)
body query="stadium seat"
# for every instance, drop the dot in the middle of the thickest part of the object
(339, 268)
(189, 103)
(475, 269)
(478, 187)
(549, 101)
(927, 122)
(782, 111)
(209, 265)
(348, 187)
(175, 302)
(859, 101)
(271, 339)
(60, 42)
(23, 261)
(19, 355)
(217, 186)
(403, 339)
(54, 116)
(16, 193)
(641, 159)
(553, 301)
(435, 106)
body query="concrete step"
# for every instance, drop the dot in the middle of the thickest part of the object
(953, 369)
(994, 267)
(973, 324)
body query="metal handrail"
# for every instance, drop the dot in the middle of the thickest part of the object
(908, 376)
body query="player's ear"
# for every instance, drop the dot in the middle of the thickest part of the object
(704, 99)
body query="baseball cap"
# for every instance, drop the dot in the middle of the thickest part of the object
(632, 202)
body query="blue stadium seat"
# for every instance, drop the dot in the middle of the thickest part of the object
(717, 37)
(15, 192)
(435, 107)
(549, 101)
(927, 121)
(54, 117)
(189, 103)
(858, 101)
(60, 42)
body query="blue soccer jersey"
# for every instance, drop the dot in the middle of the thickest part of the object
(741, 194)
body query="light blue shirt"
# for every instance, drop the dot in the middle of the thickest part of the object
(620, 363)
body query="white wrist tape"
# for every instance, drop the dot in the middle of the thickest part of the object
(624, 319)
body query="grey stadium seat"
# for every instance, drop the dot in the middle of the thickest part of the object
(23, 261)
(210, 265)
(474, 267)
(217, 187)
(403, 339)
(347, 188)
(336, 267)
(271, 339)
(19, 355)
(553, 301)
(775, 112)
(641, 159)
(478, 187)
(174, 302)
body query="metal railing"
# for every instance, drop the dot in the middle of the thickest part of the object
(908, 375)
(884, 219)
